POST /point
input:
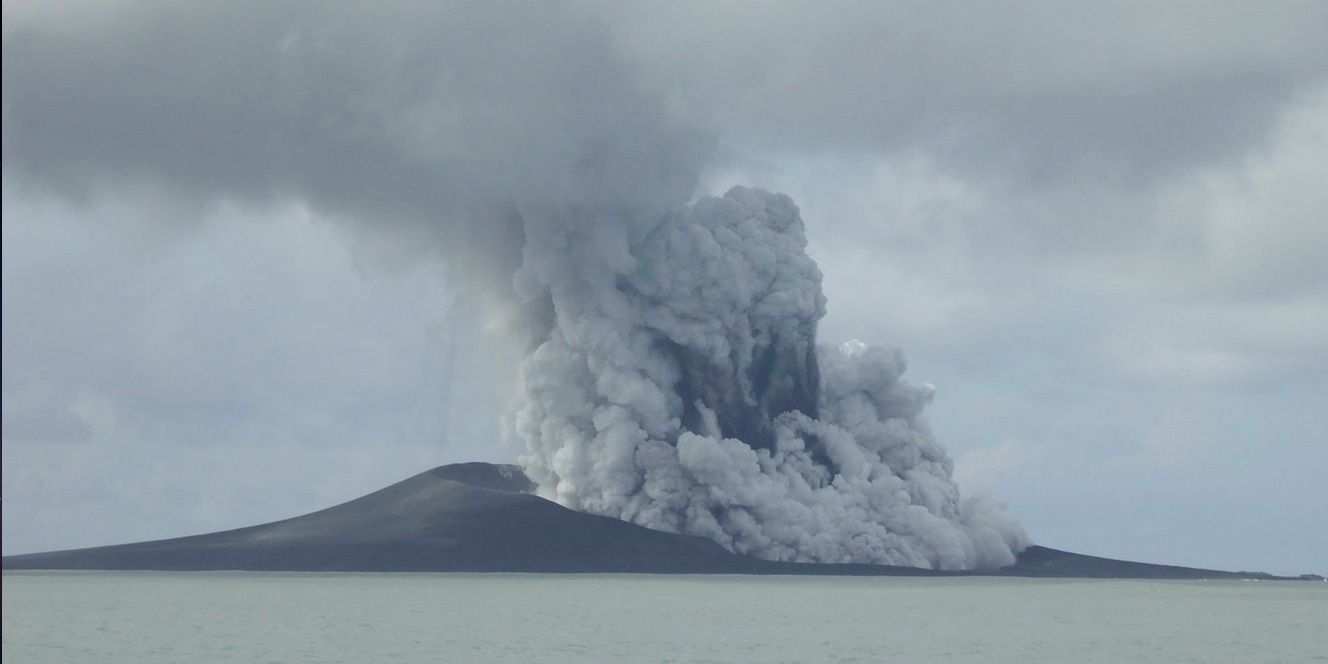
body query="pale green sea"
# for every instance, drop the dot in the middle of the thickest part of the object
(114, 617)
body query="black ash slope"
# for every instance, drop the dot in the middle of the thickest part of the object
(479, 517)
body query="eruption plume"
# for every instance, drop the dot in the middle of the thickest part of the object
(674, 377)
(680, 386)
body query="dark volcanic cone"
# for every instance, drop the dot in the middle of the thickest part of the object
(466, 517)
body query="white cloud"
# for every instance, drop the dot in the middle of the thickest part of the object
(983, 469)
(1236, 287)
(1263, 224)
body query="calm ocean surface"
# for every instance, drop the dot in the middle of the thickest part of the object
(114, 617)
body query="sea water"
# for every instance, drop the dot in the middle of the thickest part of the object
(143, 617)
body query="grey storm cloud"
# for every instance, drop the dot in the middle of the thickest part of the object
(1026, 92)
(392, 116)
(419, 105)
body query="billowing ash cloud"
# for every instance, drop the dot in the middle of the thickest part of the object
(674, 377)
(681, 387)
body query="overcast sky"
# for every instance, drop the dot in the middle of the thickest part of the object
(232, 292)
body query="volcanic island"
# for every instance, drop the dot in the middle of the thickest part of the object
(482, 517)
